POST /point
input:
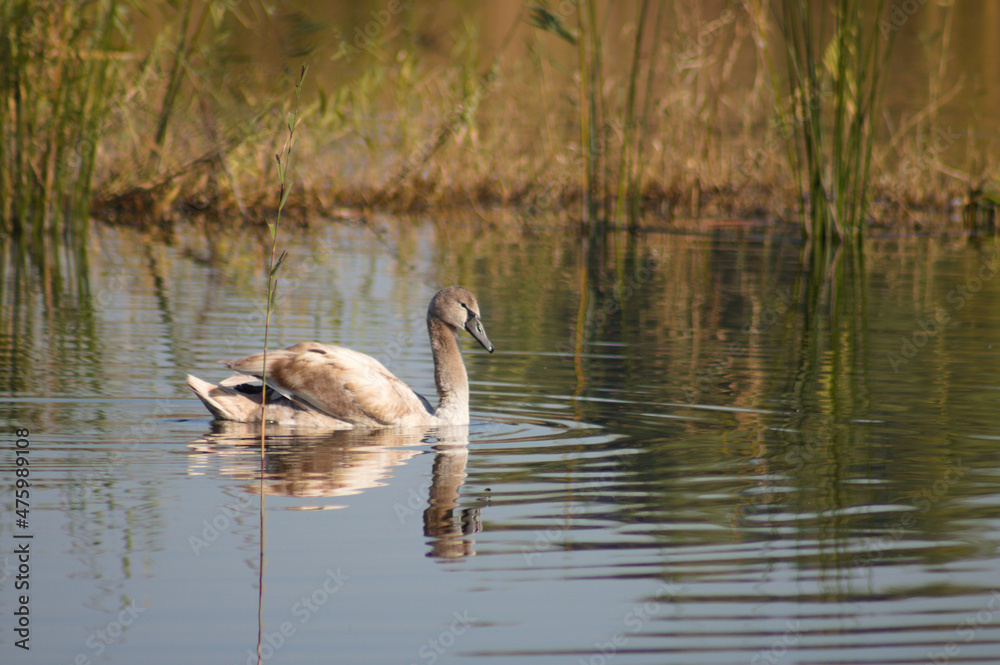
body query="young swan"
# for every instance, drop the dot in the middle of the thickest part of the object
(322, 385)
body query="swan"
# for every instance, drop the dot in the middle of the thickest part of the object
(329, 386)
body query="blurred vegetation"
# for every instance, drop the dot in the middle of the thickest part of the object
(835, 99)
(604, 113)
(60, 69)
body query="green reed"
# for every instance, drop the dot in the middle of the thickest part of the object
(59, 69)
(587, 40)
(630, 161)
(283, 161)
(603, 201)
(182, 53)
(835, 80)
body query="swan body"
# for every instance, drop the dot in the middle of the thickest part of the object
(328, 386)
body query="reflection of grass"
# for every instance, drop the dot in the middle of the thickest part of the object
(612, 112)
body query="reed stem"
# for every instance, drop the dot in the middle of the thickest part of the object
(837, 139)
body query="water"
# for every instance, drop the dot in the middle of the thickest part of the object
(686, 449)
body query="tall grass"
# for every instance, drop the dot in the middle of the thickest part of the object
(835, 78)
(630, 162)
(603, 201)
(652, 107)
(592, 109)
(59, 67)
(83, 105)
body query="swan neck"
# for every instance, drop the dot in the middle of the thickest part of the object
(449, 374)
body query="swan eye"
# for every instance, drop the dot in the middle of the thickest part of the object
(469, 314)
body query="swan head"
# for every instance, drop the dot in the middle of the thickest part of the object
(458, 308)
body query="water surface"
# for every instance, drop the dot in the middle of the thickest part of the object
(686, 449)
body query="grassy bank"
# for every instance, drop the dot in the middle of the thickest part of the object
(566, 114)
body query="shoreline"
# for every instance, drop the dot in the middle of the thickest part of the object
(143, 209)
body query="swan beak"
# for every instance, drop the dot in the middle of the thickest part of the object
(475, 328)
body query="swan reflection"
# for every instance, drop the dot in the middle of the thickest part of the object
(348, 462)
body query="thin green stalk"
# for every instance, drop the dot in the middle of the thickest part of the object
(283, 160)
(93, 108)
(635, 183)
(180, 58)
(624, 169)
(592, 109)
(836, 139)
(55, 143)
(598, 116)
(796, 113)
(6, 65)
(585, 137)
(20, 132)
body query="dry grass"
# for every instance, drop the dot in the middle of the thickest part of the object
(479, 131)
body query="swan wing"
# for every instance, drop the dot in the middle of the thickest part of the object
(341, 382)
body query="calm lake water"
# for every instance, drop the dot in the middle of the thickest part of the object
(688, 448)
